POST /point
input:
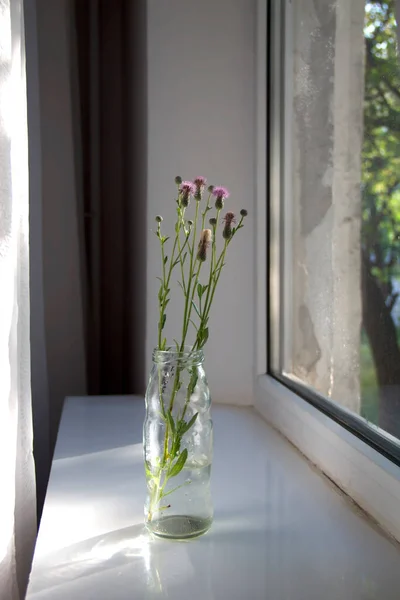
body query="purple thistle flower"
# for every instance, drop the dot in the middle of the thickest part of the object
(186, 189)
(220, 192)
(199, 183)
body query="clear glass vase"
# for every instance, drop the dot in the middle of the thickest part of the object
(178, 442)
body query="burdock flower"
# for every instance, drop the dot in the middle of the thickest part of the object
(220, 194)
(187, 188)
(229, 219)
(200, 183)
(205, 241)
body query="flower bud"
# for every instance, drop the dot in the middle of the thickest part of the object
(210, 188)
(190, 223)
(213, 221)
(178, 180)
(159, 219)
(244, 212)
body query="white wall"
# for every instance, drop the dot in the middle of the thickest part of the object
(201, 121)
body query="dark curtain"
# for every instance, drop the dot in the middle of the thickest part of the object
(111, 138)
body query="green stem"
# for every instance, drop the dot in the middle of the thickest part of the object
(162, 303)
(212, 261)
(187, 291)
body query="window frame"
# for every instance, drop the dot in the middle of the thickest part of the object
(360, 460)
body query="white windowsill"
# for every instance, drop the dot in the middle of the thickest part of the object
(372, 480)
(281, 529)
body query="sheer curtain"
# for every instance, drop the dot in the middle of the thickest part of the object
(17, 491)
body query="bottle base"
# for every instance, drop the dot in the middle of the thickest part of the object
(179, 527)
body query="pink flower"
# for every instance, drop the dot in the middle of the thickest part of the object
(220, 192)
(200, 181)
(187, 187)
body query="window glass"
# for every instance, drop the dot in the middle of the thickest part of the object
(339, 303)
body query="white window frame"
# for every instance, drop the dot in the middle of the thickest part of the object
(366, 475)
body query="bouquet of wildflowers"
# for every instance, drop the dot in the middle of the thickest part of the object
(197, 253)
(194, 245)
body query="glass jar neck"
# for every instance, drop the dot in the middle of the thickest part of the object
(187, 358)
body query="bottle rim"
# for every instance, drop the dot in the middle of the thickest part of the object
(188, 356)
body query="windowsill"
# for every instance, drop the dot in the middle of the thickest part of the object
(372, 480)
(281, 529)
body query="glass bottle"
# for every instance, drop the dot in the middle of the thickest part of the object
(178, 442)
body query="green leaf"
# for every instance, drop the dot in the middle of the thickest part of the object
(199, 290)
(147, 470)
(184, 258)
(186, 426)
(205, 335)
(171, 422)
(180, 463)
(160, 294)
(163, 319)
(176, 445)
(165, 260)
(193, 382)
(194, 324)
(196, 309)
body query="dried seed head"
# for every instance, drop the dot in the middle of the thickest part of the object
(244, 212)
(159, 219)
(206, 236)
(178, 180)
(204, 243)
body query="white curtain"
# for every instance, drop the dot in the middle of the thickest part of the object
(17, 485)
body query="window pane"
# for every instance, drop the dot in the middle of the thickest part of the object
(340, 197)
